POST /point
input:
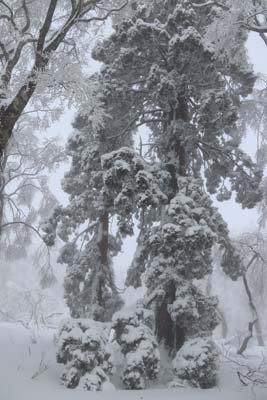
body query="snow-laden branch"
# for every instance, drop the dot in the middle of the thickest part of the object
(32, 228)
(210, 3)
(256, 26)
(109, 12)
(29, 45)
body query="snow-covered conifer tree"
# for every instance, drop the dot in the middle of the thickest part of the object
(182, 88)
(84, 227)
(85, 224)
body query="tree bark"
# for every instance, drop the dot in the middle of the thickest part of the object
(103, 249)
(254, 311)
(3, 161)
(244, 344)
(166, 329)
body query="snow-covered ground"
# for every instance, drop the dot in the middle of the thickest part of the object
(28, 371)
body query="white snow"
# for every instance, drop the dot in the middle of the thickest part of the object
(28, 371)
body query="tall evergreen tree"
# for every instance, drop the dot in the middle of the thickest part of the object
(159, 71)
(161, 53)
(85, 224)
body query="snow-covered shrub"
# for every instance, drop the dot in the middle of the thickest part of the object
(133, 332)
(84, 349)
(196, 363)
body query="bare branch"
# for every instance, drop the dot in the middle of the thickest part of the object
(73, 4)
(5, 52)
(255, 27)
(244, 345)
(27, 17)
(11, 18)
(28, 226)
(106, 16)
(45, 28)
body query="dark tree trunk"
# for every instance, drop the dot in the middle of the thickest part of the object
(103, 248)
(3, 160)
(166, 329)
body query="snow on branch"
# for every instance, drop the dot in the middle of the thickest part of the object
(210, 4)
(256, 26)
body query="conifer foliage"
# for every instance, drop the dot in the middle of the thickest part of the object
(161, 53)
(159, 72)
(84, 349)
(134, 334)
(197, 363)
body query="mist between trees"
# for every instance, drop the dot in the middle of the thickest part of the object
(158, 134)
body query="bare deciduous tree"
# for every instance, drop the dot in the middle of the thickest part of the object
(40, 48)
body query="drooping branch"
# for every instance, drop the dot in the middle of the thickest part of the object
(9, 224)
(32, 228)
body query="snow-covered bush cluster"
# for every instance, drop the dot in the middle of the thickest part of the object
(197, 363)
(134, 334)
(84, 349)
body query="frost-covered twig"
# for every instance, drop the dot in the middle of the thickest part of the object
(247, 338)
(42, 367)
(249, 372)
(9, 318)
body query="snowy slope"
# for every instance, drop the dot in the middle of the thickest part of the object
(28, 371)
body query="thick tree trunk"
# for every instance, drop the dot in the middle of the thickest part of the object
(1, 204)
(166, 329)
(3, 159)
(103, 248)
